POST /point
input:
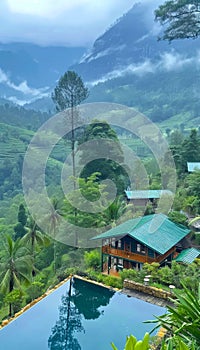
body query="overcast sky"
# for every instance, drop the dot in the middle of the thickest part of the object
(59, 22)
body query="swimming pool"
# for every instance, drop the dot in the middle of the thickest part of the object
(91, 317)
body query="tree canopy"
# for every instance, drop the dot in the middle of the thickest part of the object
(106, 153)
(69, 92)
(180, 18)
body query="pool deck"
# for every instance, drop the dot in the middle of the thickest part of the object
(146, 297)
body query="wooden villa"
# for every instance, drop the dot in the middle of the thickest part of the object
(151, 238)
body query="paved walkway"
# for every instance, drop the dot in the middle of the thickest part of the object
(146, 297)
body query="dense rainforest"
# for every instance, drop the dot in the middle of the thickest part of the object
(32, 260)
(48, 261)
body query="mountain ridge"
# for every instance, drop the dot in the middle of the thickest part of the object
(29, 71)
(132, 40)
(128, 65)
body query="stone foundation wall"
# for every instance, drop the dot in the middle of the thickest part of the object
(155, 292)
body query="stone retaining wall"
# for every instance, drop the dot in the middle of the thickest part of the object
(155, 292)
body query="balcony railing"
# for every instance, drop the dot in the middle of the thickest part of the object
(127, 255)
(134, 256)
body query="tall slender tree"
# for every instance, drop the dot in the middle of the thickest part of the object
(69, 93)
(53, 220)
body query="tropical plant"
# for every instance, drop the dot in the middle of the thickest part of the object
(194, 220)
(14, 298)
(33, 239)
(176, 343)
(93, 259)
(115, 210)
(15, 266)
(133, 344)
(34, 290)
(182, 321)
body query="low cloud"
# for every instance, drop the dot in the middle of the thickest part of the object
(3, 77)
(23, 88)
(136, 69)
(174, 61)
(169, 61)
(92, 56)
(17, 101)
(26, 90)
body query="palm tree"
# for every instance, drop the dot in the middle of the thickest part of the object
(15, 267)
(115, 211)
(33, 239)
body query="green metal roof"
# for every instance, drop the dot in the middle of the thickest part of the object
(155, 231)
(193, 166)
(187, 256)
(147, 194)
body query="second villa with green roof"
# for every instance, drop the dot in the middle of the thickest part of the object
(147, 239)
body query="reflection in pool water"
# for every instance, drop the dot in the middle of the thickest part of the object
(83, 317)
(84, 302)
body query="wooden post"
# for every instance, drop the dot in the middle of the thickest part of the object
(101, 254)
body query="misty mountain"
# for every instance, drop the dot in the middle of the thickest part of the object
(128, 65)
(131, 46)
(29, 72)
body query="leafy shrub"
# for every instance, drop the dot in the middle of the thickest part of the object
(35, 290)
(93, 259)
(128, 274)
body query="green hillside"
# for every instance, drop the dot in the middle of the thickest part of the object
(18, 116)
(167, 98)
(13, 141)
(13, 144)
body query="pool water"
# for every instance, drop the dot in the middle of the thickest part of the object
(87, 318)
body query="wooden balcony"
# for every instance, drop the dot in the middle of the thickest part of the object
(127, 255)
(141, 258)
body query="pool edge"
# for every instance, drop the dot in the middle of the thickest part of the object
(33, 302)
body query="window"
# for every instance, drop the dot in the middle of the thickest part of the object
(105, 241)
(113, 242)
(138, 247)
(119, 243)
(120, 261)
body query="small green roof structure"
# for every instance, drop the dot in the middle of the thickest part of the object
(193, 166)
(187, 256)
(147, 194)
(155, 231)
